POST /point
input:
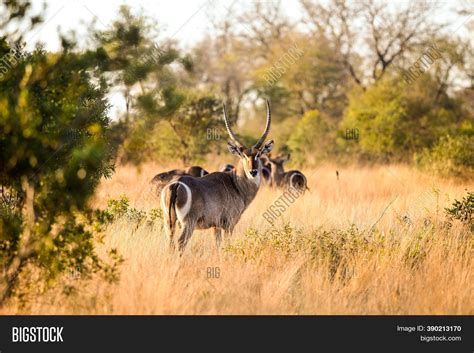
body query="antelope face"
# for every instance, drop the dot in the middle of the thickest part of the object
(279, 161)
(250, 158)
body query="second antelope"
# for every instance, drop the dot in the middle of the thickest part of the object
(160, 180)
(292, 178)
(216, 200)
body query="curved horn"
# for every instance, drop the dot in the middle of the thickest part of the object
(229, 130)
(267, 128)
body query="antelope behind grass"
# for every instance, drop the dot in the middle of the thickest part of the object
(216, 200)
(292, 178)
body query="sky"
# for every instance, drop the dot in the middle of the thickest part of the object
(185, 20)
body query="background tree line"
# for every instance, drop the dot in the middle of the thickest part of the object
(348, 77)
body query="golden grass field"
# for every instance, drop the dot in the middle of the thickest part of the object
(415, 266)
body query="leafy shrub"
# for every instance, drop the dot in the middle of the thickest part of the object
(394, 122)
(120, 208)
(451, 156)
(463, 210)
(311, 139)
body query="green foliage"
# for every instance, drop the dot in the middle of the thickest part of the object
(395, 121)
(54, 149)
(188, 133)
(302, 66)
(450, 156)
(133, 59)
(165, 118)
(463, 210)
(121, 209)
(311, 139)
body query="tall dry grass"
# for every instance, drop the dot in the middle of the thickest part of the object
(373, 242)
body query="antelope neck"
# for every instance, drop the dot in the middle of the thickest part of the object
(277, 169)
(246, 187)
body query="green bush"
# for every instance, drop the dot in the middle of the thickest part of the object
(451, 156)
(395, 121)
(463, 210)
(312, 139)
(120, 208)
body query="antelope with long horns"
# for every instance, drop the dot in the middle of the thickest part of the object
(216, 200)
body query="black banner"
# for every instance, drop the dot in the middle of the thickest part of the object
(294, 333)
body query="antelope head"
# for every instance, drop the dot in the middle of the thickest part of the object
(250, 157)
(278, 163)
(280, 160)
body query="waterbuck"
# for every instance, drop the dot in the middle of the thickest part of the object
(161, 179)
(216, 200)
(228, 168)
(266, 170)
(292, 178)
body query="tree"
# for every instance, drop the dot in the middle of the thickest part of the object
(264, 25)
(302, 73)
(134, 60)
(371, 35)
(222, 65)
(187, 133)
(53, 151)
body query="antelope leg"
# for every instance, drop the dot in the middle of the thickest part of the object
(185, 235)
(218, 235)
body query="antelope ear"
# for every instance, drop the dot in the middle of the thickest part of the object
(233, 148)
(267, 147)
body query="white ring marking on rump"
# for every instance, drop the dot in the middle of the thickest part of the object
(182, 212)
(163, 201)
(293, 175)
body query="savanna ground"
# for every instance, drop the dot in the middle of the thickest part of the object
(376, 241)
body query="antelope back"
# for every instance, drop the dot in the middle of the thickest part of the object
(196, 171)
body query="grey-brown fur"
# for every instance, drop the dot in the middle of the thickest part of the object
(228, 168)
(283, 179)
(216, 200)
(161, 179)
(266, 170)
